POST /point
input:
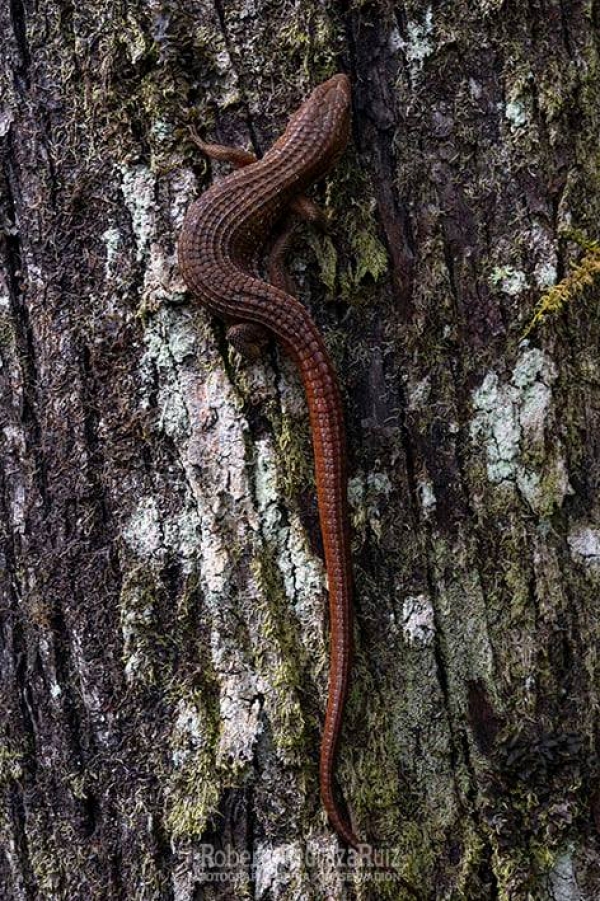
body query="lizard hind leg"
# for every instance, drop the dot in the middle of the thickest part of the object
(278, 273)
(302, 207)
(310, 212)
(249, 339)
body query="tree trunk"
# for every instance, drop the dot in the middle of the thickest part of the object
(164, 642)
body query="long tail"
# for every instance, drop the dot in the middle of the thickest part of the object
(329, 445)
(292, 325)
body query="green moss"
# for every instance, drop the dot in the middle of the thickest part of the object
(293, 443)
(474, 849)
(358, 228)
(327, 259)
(139, 627)
(282, 659)
(10, 765)
(311, 40)
(371, 255)
(582, 276)
(194, 787)
(372, 787)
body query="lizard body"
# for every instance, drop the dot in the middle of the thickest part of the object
(222, 236)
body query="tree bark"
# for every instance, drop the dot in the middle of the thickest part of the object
(164, 639)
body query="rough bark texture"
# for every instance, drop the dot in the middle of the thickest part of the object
(163, 624)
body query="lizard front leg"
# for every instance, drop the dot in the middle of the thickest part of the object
(222, 152)
(302, 205)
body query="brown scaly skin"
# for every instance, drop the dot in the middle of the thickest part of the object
(223, 235)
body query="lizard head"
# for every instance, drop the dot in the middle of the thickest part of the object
(321, 125)
(328, 107)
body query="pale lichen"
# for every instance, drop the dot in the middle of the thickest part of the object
(562, 880)
(584, 543)
(510, 280)
(419, 43)
(240, 720)
(418, 620)
(366, 493)
(112, 240)
(511, 421)
(138, 185)
(516, 113)
(426, 495)
(143, 532)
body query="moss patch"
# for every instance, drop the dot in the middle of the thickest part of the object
(583, 275)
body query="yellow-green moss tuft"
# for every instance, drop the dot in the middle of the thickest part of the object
(281, 661)
(582, 276)
(293, 443)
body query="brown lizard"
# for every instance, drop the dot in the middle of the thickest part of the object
(222, 238)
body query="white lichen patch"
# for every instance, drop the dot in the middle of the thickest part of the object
(366, 494)
(395, 41)
(475, 89)
(426, 495)
(226, 69)
(542, 242)
(150, 535)
(296, 867)
(545, 275)
(138, 185)
(511, 422)
(419, 42)
(182, 536)
(418, 393)
(163, 282)
(562, 882)
(143, 532)
(162, 130)
(275, 865)
(188, 730)
(273, 528)
(170, 338)
(302, 572)
(6, 120)
(112, 240)
(15, 451)
(99, 714)
(184, 189)
(137, 620)
(584, 543)
(510, 280)
(266, 485)
(308, 575)
(240, 710)
(417, 620)
(516, 114)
